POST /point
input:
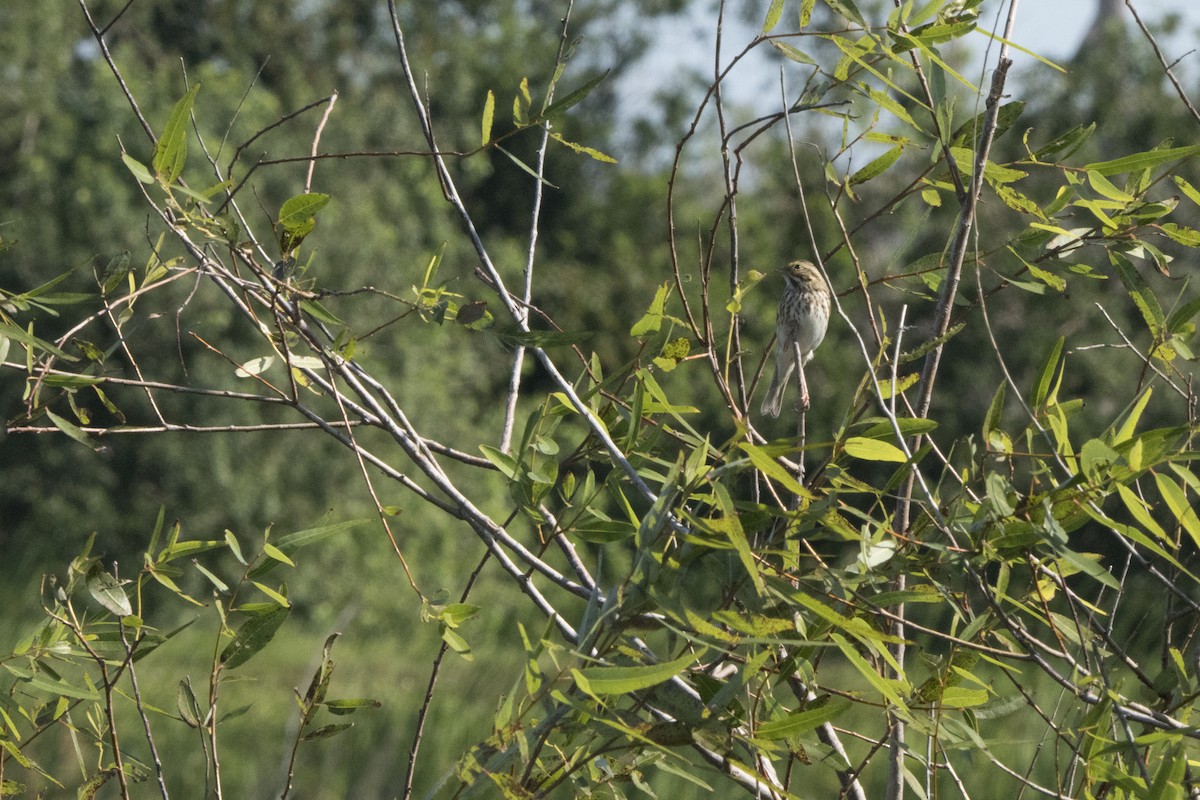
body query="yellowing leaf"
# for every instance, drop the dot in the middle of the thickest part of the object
(874, 450)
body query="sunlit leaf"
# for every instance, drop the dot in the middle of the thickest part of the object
(170, 153)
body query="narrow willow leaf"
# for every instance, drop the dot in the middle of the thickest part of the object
(271, 551)
(767, 465)
(489, 113)
(234, 546)
(137, 168)
(525, 167)
(1125, 432)
(107, 591)
(773, 15)
(350, 705)
(72, 430)
(1192, 193)
(874, 450)
(622, 680)
(170, 154)
(847, 9)
(188, 548)
(278, 597)
(1104, 186)
(1181, 318)
(188, 705)
(55, 687)
(732, 527)
(580, 149)
(292, 542)
(652, 320)
(326, 731)
(1140, 292)
(876, 167)
(254, 634)
(221, 585)
(1041, 388)
(995, 412)
(1064, 146)
(968, 133)
(502, 461)
(1177, 501)
(806, 12)
(254, 366)
(799, 722)
(890, 689)
(559, 106)
(521, 104)
(514, 336)
(792, 53)
(1146, 160)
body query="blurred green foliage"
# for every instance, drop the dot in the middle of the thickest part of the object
(70, 205)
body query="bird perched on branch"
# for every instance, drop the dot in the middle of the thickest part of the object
(800, 324)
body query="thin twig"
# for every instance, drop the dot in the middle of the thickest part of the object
(1163, 60)
(312, 164)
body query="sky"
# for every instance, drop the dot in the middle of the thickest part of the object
(1051, 28)
(1056, 27)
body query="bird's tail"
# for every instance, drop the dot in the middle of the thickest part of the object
(772, 403)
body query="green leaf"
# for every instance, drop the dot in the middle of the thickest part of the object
(278, 597)
(170, 154)
(993, 435)
(1125, 432)
(326, 731)
(1140, 292)
(107, 591)
(1177, 501)
(806, 11)
(773, 15)
(513, 336)
(731, 526)
(521, 105)
(254, 634)
(296, 216)
(234, 547)
(1105, 187)
(54, 687)
(580, 149)
(1041, 389)
(799, 722)
(271, 551)
(319, 312)
(489, 113)
(188, 705)
(876, 167)
(71, 430)
(350, 705)
(889, 688)
(502, 461)
(652, 320)
(874, 450)
(847, 9)
(137, 168)
(1192, 193)
(1006, 117)
(18, 334)
(525, 167)
(1146, 160)
(622, 680)
(294, 541)
(559, 106)
(766, 464)
(793, 53)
